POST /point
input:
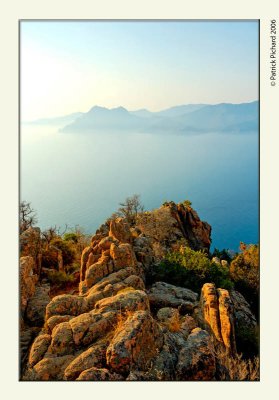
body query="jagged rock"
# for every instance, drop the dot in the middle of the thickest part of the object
(188, 323)
(84, 258)
(123, 256)
(87, 328)
(105, 243)
(210, 309)
(170, 318)
(119, 230)
(130, 300)
(196, 232)
(36, 308)
(226, 320)
(62, 342)
(28, 281)
(95, 356)
(135, 343)
(196, 360)
(66, 304)
(50, 368)
(27, 335)
(57, 319)
(99, 374)
(162, 294)
(217, 311)
(242, 312)
(39, 348)
(97, 271)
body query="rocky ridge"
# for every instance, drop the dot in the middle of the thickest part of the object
(117, 329)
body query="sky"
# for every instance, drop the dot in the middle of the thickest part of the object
(68, 66)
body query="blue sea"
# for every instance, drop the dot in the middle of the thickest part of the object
(80, 179)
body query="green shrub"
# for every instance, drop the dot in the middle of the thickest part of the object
(222, 254)
(71, 236)
(244, 271)
(60, 278)
(72, 268)
(191, 269)
(67, 248)
(247, 341)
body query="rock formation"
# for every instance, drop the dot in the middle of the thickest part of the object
(116, 328)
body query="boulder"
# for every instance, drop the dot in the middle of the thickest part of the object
(98, 271)
(163, 294)
(226, 320)
(39, 348)
(123, 256)
(119, 230)
(135, 343)
(62, 342)
(242, 311)
(217, 310)
(36, 308)
(95, 356)
(196, 361)
(55, 320)
(210, 309)
(50, 368)
(99, 374)
(128, 300)
(66, 304)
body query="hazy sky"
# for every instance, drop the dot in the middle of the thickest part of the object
(72, 66)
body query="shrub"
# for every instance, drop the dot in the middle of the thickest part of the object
(71, 236)
(191, 269)
(244, 271)
(247, 340)
(60, 278)
(236, 368)
(222, 254)
(67, 248)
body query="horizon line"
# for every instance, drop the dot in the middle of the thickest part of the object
(138, 109)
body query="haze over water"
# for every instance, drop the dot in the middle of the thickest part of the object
(79, 179)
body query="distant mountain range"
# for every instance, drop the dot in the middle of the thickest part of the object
(199, 118)
(65, 120)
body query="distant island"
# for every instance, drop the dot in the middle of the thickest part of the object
(191, 118)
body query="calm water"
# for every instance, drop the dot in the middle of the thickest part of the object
(79, 179)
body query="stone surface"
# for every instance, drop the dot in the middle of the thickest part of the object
(119, 230)
(36, 308)
(217, 310)
(162, 294)
(28, 281)
(226, 320)
(210, 309)
(196, 360)
(50, 368)
(66, 304)
(98, 374)
(135, 343)
(62, 342)
(242, 311)
(122, 256)
(131, 300)
(95, 356)
(39, 348)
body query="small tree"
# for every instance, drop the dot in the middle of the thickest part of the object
(130, 209)
(27, 216)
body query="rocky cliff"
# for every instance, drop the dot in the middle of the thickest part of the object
(116, 328)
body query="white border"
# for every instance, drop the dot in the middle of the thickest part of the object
(11, 12)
